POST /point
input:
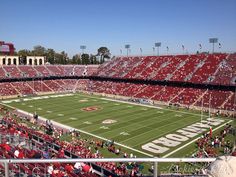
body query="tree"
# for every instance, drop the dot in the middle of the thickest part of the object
(61, 58)
(58, 58)
(93, 59)
(24, 53)
(39, 50)
(103, 52)
(76, 59)
(85, 59)
(50, 55)
(65, 58)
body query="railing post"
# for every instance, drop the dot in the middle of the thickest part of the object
(102, 172)
(6, 164)
(155, 169)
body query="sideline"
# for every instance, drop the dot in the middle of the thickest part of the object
(127, 102)
(36, 98)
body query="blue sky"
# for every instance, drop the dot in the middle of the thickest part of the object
(67, 24)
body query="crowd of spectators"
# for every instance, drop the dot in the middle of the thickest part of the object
(213, 146)
(17, 142)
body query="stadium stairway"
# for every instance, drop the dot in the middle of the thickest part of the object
(231, 96)
(177, 95)
(18, 92)
(200, 98)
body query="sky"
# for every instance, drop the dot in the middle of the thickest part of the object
(68, 24)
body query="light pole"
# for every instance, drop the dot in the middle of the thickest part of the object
(200, 48)
(220, 46)
(153, 50)
(127, 46)
(120, 51)
(213, 41)
(83, 47)
(157, 45)
(183, 48)
(141, 51)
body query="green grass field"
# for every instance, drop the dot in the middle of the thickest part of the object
(129, 125)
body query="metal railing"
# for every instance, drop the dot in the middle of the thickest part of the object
(7, 162)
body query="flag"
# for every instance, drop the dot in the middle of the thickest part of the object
(183, 47)
(219, 45)
(200, 46)
(210, 132)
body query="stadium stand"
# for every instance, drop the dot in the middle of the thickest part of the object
(12, 72)
(6, 89)
(190, 81)
(177, 95)
(202, 68)
(197, 69)
(28, 71)
(24, 71)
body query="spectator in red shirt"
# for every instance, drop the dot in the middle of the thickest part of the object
(61, 153)
(86, 168)
(6, 147)
(69, 168)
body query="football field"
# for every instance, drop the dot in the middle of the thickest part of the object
(143, 129)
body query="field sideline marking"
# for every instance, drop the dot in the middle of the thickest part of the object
(150, 106)
(167, 155)
(68, 127)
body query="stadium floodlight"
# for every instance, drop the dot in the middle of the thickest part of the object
(83, 47)
(141, 51)
(157, 45)
(183, 48)
(213, 41)
(120, 51)
(127, 46)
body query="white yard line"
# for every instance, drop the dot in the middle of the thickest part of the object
(172, 152)
(99, 137)
(162, 132)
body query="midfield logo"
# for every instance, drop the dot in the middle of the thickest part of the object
(91, 108)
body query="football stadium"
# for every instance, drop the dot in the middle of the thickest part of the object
(166, 114)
